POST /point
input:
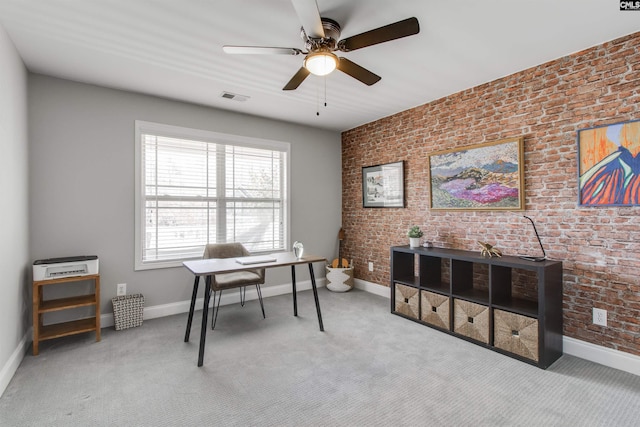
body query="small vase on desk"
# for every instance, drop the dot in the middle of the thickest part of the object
(298, 249)
(414, 242)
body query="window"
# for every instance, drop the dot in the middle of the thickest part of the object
(196, 187)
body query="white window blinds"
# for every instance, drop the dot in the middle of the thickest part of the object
(199, 187)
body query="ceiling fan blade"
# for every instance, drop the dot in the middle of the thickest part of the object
(397, 30)
(358, 72)
(261, 50)
(297, 79)
(309, 16)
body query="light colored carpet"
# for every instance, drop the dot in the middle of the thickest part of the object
(370, 368)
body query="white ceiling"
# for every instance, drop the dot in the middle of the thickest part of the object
(173, 49)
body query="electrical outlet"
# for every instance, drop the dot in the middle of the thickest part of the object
(599, 317)
(370, 266)
(121, 289)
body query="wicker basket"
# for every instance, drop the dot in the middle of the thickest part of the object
(471, 320)
(339, 279)
(435, 309)
(127, 311)
(407, 300)
(516, 334)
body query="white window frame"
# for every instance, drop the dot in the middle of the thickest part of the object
(159, 129)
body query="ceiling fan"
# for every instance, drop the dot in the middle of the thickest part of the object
(321, 37)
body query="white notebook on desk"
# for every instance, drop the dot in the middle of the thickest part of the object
(255, 259)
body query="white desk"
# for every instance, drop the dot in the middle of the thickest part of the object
(207, 267)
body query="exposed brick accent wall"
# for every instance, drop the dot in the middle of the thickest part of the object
(547, 105)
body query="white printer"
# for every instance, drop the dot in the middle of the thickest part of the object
(56, 268)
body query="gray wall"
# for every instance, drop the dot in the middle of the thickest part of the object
(14, 211)
(81, 170)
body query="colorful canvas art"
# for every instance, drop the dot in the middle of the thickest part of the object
(609, 165)
(479, 177)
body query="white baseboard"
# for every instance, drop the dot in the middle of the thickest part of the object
(373, 288)
(10, 368)
(605, 356)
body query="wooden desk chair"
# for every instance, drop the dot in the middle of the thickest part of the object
(239, 279)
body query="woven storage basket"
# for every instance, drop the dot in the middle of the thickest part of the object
(339, 279)
(435, 309)
(471, 320)
(407, 300)
(516, 334)
(127, 311)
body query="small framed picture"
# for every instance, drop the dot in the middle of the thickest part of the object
(383, 186)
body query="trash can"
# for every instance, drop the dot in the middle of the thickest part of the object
(127, 311)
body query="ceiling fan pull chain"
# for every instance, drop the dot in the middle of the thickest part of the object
(317, 100)
(325, 91)
(324, 82)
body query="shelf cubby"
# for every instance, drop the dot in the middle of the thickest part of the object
(469, 281)
(515, 290)
(434, 274)
(405, 273)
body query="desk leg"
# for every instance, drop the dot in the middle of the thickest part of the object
(293, 283)
(315, 295)
(191, 308)
(205, 313)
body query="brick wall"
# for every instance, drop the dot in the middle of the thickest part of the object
(547, 104)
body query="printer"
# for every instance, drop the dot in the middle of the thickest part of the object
(57, 268)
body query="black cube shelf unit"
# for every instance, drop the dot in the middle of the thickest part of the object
(507, 304)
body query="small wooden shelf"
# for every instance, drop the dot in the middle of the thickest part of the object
(67, 303)
(58, 330)
(41, 306)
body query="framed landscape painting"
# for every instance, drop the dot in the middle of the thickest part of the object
(488, 176)
(383, 186)
(609, 165)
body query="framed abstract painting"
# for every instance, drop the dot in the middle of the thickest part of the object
(487, 176)
(609, 165)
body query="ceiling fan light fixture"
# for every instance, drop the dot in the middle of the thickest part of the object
(321, 63)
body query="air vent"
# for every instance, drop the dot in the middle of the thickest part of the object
(234, 96)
